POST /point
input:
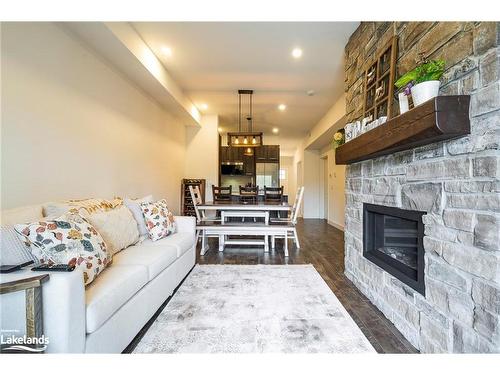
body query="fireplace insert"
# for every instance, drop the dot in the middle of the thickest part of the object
(393, 240)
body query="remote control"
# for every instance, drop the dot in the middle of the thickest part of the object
(11, 268)
(54, 267)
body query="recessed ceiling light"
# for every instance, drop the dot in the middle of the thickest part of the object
(204, 106)
(166, 51)
(275, 130)
(296, 53)
(282, 107)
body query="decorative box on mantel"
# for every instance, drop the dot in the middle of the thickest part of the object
(441, 118)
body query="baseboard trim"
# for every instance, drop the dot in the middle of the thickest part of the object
(338, 226)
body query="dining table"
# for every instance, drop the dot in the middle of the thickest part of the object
(243, 208)
(239, 205)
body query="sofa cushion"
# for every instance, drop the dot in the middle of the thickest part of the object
(134, 205)
(114, 287)
(118, 228)
(22, 215)
(83, 206)
(155, 258)
(160, 221)
(182, 241)
(12, 249)
(69, 239)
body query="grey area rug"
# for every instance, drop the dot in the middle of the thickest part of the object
(254, 309)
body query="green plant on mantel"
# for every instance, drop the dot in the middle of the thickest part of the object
(431, 70)
(339, 138)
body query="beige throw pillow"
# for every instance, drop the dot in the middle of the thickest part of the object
(117, 227)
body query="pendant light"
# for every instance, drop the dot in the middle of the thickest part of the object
(249, 138)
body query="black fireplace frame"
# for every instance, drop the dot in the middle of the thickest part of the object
(387, 263)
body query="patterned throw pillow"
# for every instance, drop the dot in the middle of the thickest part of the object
(159, 220)
(69, 239)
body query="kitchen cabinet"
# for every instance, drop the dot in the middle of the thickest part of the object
(267, 154)
(231, 154)
(249, 165)
(224, 155)
(273, 153)
(260, 154)
(236, 154)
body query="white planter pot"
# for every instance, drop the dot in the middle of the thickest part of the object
(424, 91)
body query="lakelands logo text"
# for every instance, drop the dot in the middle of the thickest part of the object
(24, 343)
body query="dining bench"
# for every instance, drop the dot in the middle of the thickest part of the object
(243, 229)
(226, 214)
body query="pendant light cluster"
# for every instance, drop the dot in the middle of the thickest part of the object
(248, 139)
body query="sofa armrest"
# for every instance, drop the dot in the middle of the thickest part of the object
(186, 224)
(63, 299)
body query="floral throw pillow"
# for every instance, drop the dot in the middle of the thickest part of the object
(159, 220)
(69, 239)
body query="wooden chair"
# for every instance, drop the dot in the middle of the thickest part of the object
(249, 193)
(292, 220)
(222, 193)
(273, 194)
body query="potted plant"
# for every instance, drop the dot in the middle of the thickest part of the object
(423, 81)
(339, 138)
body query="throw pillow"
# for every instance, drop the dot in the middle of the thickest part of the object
(134, 205)
(21, 214)
(69, 239)
(13, 250)
(83, 206)
(159, 220)
(117, 227)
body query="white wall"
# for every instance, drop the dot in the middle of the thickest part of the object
(290, 185)
(72, 127)
(310, 155)
(331, 117)
(202, 152)
(336, 189)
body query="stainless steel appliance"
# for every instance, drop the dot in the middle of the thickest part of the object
(267, 174)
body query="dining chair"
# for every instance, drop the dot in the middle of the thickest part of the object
(273, 194)
(292, 219)
(201, 217)
(222, 193)
(249, 193)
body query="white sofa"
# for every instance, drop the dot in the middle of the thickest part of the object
(108, 314)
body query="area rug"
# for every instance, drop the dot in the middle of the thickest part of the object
(254, 309)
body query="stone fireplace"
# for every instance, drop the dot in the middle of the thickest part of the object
(454, 186)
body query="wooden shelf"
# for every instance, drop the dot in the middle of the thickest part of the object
(441, 118)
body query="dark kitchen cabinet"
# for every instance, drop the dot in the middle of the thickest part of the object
(273, 153)
(249, 165)
(267, 154)
(260, 154)
(224, 155)
(236, 154)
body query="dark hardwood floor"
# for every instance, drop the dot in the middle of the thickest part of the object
(323, 246)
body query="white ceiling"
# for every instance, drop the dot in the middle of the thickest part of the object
(211, 61)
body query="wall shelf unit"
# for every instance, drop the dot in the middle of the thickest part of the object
(187, 208)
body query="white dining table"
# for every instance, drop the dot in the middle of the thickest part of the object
(245, 206)
(254, 209)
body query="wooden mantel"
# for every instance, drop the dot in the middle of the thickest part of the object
(441, 118)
